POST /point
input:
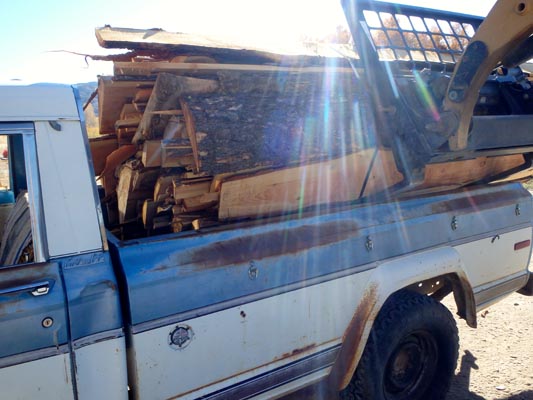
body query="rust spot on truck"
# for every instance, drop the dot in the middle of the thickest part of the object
(263, 245)
(351, 349)
(299, 351)
(477, 202)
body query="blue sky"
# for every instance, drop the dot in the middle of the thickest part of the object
(32, 30)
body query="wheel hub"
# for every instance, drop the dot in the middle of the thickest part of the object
(411, 367)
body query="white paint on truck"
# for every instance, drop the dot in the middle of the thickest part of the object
(38, 379)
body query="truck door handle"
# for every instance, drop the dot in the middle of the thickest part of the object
(40, 288)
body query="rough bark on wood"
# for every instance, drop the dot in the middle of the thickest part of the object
(283, 119)
(167, 90)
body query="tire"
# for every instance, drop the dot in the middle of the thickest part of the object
(411, 352)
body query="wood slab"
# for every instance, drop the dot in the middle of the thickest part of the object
(132, 69)
(112, 96)
(292, 189)
(101, 147)
(460, 173)
(193, 44)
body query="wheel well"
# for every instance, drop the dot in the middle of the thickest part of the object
(440, 286)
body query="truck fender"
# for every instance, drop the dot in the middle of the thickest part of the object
(388, 278)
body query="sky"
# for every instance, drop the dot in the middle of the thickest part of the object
(35, 34)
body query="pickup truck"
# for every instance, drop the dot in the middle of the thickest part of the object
(347, 295)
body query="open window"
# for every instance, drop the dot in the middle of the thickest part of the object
(17, 200)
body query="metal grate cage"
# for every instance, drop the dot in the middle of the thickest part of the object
(416, 34)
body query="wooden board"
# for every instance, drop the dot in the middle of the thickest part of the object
(150, 68)
(100, 148)
(460, 173)
(292, 189)
(187, 190)
(384, 173)
(191, 44)
(112, 95)
(287, 119)
(176, 153)
(129, 111)
(129, 201)
(113, 160)
(151, 154)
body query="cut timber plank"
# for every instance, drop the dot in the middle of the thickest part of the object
(149, 212)
(176, 153)
(460, 173)
(145, 179)
(126, 208)
(185, 43)
(142, 95)
(151, 68)
(167, 90)
(162, 221)
(191, 133)
(168, 112)
(175, 129)
(384, 173)
(100, 148)
(201, 223)
(127, 123)
(128, 111)
(112, 161)
(151, 155)
(112, 95)
(164, 187)
(188, 190)
(199, 203)
(292, 189)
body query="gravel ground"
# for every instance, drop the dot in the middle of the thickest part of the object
(495, 360)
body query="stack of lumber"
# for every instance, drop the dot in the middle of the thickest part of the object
(195, 135)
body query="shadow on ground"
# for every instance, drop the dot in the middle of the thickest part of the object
(460, 388)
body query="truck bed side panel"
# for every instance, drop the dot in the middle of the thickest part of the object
(202, 282)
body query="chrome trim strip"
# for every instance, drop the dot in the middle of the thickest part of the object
(16, 128)
(35, 198)
(279, 377)
(484, 294)
(97, 337)
(33, 355)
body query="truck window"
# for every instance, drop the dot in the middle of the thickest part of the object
(16, 244)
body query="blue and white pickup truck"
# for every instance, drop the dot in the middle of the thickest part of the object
(245, 311)
(348, 296)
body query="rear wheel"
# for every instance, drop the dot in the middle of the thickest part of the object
(411, 352)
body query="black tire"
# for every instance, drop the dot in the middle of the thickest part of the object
(411, 352)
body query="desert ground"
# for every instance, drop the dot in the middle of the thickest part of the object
(496, 359)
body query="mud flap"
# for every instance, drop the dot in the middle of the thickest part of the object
(528, 289)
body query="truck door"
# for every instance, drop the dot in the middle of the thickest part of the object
(35, 358)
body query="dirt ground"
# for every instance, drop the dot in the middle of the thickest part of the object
(495, 360)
